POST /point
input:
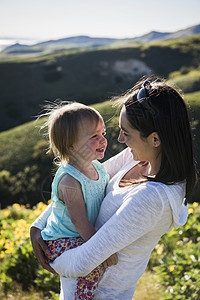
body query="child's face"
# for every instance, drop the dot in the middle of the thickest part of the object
(91, 143)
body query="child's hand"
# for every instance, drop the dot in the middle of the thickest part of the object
(110, 261)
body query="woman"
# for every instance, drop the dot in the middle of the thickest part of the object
(150, 184)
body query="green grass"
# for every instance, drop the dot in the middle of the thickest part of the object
(188, 82)
(193, 99)
(147, 288)
(17, 146)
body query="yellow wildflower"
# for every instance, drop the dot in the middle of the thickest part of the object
(31, 216)
(171, 268)
(195, 204)
(4, 225)
(9, 246)
(21, 223)
(16, 206)
(2, 241)
(9, 250)
(159, 250)
(18, 242)
(6, 212)
(41, 206)
(190, 211)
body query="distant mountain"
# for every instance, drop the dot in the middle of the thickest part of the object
(151, 36)
(76, 42)
(20, 48)
(16, 47)
(185, 32)
(156, 35)
(87, 42)
(80, 40)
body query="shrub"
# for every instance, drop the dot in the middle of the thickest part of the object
(180, 272)
(18, 263)
(176, 259)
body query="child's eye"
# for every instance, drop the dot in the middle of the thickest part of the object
(94, 136)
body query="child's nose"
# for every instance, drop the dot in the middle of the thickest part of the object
(103, 139)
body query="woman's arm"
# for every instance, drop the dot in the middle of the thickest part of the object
(40, 248)
(132, 220)
(41, 221)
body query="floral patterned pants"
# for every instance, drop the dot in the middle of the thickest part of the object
(86, 286)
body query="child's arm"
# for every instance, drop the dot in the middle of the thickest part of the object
(70, 192)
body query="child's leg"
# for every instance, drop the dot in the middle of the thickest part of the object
(86, 286)
(57, 247)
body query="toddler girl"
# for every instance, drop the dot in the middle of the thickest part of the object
(78, 186)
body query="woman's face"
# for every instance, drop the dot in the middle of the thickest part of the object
(142, 148)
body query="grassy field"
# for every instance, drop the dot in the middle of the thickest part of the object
(147, 289)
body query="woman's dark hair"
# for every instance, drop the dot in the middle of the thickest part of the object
(164, 111)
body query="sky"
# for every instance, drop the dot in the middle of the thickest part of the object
(54, 19)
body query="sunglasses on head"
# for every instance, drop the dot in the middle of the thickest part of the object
(144, 91)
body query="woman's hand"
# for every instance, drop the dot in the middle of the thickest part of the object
(40, 249)
(110, 261)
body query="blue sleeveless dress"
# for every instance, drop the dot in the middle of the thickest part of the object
(59, 224)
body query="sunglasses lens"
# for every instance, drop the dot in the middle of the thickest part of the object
(141, 94)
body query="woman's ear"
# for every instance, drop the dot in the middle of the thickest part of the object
(155, 139)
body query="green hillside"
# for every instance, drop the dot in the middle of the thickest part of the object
(27, 169)
(88, 76)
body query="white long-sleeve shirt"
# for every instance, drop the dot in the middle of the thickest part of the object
(131, 221)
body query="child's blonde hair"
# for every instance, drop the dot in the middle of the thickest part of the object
(64, 126)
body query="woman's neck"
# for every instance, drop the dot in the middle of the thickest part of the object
(153, 167)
